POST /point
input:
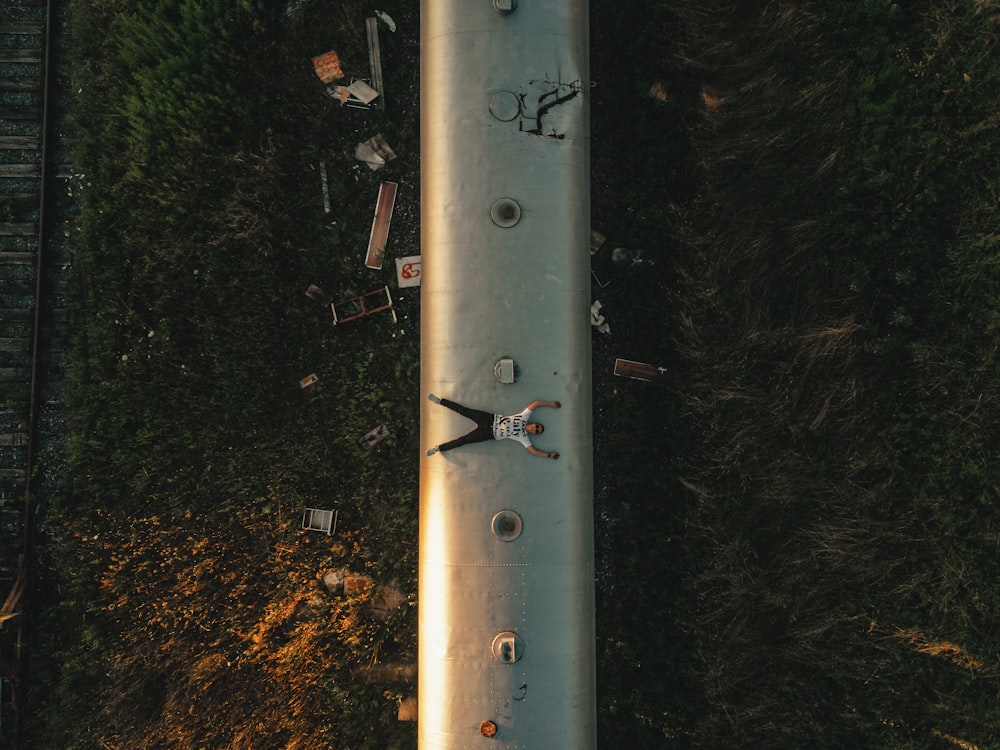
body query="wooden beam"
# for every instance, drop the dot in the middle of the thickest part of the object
(375, 60)
(20, 170)
(20, 113)
(18, 230)
(17, 313)
(638, 370)
(20, 142)
(20, 84)
(24, 27)
(17, 259)
(16, 55)
(380, 224)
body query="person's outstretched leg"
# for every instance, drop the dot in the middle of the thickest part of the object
(478, 416)
(482, 432)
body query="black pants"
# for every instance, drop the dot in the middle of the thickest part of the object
(482, 432)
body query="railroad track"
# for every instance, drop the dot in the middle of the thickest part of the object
(35, 260)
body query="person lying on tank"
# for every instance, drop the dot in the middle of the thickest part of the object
(497, 427)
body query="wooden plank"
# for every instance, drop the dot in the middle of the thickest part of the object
(20, 113)
(14, 344)
(18, 230)
(14, 373)
(24, 27)
(17, 313)
(20, 170)
(326, 187)
(19, 142)
(375, 60)
(380, 224)
(20, 84)
(17, 259)
(16, 55)
(14, 438)
(638, 370)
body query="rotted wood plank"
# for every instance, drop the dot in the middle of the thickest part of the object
(18, 230)
(20, 170)
(19, 142)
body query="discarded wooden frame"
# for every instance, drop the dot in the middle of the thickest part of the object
(380, 224)
(638, 370)
(314, 519)
(363, 305)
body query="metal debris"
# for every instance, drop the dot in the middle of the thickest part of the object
(596, 319)
(325, 521)
(374, 152)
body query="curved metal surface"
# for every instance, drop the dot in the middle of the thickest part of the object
(488, 292)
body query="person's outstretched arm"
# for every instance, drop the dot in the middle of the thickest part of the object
(542, 454)
(551, 404)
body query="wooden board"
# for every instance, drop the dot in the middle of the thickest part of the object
(380, 224)
(637, 370)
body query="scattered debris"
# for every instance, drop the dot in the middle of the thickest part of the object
(380, 224)
(325, 521)
(363, 306)
(658, 91)
(361, 91)
(326, 187)
(596, 319)
(318, 295)
(606, 266)
(334, 581)
(327, 67)
(374, 436)
(375, 57)
(357, 585)
(407, 709)
(638, 370)
(711, 99)
(597, 241)
(374, 152)
(386, 19)
(408, 271)
(308, 380)
(388, 599)
(358, 94)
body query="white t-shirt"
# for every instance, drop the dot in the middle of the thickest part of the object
(512, 427)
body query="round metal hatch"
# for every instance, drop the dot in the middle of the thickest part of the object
(507, 647)
(507, 525)
(505, 213)
(505, 106)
